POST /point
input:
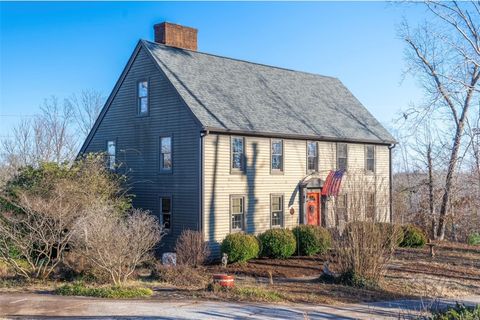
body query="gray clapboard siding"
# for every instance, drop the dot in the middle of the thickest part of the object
(138, 145)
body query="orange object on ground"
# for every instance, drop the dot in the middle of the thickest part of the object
(223, 280)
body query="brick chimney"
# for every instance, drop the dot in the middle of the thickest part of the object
(175, 35)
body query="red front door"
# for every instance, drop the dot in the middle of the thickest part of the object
(313, 208)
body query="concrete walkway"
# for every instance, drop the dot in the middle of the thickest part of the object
(44, 306)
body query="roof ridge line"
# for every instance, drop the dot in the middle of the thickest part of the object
(241, 60)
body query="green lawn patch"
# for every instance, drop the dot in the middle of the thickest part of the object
(79, 289)
(257, 294)
(459, 312)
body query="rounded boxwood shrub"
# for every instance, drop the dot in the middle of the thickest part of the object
(240, 247)
(312, 239)
(473, 239)
(413, 237)
(278, 243)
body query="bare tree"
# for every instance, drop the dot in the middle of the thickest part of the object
(86, 106)
(54, 134)
(191, 249)
(39, 228)
(114, 244)
(48, 136)
(444, 54)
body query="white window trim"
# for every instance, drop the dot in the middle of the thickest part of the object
(338, 162)
(282, 203)
(317, 157)
(282, 168)
(243, 158)
(374, 158)
(238, 196)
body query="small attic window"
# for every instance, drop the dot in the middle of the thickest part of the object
(142, 100)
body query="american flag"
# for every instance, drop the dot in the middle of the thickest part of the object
(333, 183)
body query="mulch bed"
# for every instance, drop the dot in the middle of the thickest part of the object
(294, 267)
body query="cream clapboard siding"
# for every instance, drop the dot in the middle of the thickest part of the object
(258, 183)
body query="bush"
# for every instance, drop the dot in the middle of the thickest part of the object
(79, 289)
(191, 249)
(240, 247)
(474, 239)
(393, 229)
(115, 244)
(459, 312)
(312, 239)
(40, 206)
(413, 237)
(278, 243)
(181, 276)
(363, 251)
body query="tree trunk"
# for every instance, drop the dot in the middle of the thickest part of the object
(430, 190)
(449, 179)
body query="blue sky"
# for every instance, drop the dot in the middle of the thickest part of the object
(57, 48)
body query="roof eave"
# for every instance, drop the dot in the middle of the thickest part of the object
(297, 136)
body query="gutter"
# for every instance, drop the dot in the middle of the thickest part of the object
(201, 181)
(390, 148)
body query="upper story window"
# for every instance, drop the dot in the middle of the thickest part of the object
(166, 212)
(238, 153)
(370, 158)
(142, 94)
(237, 212)
(276, 209)
(277, 155)
(312, 156)
(342, 156)
(166, 154)
(111, 154)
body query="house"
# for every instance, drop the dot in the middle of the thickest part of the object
(222, 145)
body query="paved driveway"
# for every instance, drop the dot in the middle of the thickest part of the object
(44, 306)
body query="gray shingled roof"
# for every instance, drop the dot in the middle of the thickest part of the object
(235, 95)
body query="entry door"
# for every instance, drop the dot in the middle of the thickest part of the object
(313, 208)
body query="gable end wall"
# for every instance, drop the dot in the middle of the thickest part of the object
(138, 145)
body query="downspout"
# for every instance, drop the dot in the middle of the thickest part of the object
(201, 182)
(390, 148)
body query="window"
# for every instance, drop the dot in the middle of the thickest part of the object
(111, 153)
(237, 210)
(165, 153)
(370, 206)
(142, 97)
(370, 158)
(312, 156)
(341, 206)
(277, 155)
(166, 212)
(276, 209)
(237, 153)
(342, 156)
